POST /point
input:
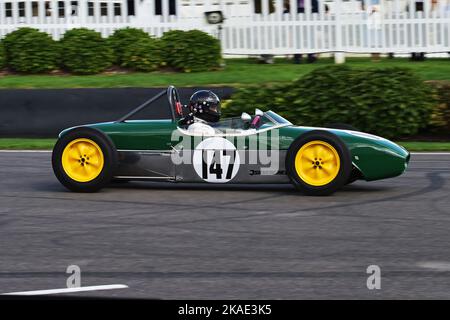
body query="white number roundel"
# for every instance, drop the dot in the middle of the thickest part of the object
(216, 160)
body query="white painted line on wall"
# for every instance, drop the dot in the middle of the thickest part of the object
(67, 290)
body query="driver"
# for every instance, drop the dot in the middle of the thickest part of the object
(204, 107)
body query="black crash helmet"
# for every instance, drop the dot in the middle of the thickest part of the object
(205, 105)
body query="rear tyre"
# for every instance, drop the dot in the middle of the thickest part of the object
(84, 160)
(318, 163)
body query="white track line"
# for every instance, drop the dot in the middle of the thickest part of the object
(67, 290)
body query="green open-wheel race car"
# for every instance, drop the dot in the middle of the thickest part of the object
(263, 148)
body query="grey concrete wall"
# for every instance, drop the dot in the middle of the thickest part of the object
(45, 112)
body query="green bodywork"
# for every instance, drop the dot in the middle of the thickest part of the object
(376, 158)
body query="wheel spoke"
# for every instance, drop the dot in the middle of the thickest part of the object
(320, 151)
(313, 174)
(80, 148)
(310, 171)
(87, 169)
(74, 153)
(319, 173)
(308, 154)
(75, 167)
(306, 163)
(91, 151)
(84, 148)
(329, 168)
(94, 163)
(315, 151)
(328, 157)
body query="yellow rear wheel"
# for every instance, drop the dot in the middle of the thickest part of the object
(317, 163)
(82, 160)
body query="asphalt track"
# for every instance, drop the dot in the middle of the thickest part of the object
(227, 242)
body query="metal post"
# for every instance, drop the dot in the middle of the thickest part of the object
(82, 12)
(339, 55)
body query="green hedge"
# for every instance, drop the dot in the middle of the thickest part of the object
(191, 51)
(32, 51)
(440, 117)
(391, 102)
(143, 55)
(121, 39)
(84, 51)
(2, 56)
(12, 37)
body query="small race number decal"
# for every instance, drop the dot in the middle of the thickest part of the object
(216, 160)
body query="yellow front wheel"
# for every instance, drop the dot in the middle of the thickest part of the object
(84, 159)
(318, 163)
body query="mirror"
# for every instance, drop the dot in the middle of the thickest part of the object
(246, 117)
(258, 112)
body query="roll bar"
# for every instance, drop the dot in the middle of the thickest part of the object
(168, 93)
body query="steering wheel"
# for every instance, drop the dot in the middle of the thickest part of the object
(174, 101)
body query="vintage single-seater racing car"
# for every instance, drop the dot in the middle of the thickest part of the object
(263, 148)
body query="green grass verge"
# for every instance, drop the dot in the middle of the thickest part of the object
(26, 144)
(47, 144)
(425, 146)
(237, 72)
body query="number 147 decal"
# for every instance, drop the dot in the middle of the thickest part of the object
(214, 162)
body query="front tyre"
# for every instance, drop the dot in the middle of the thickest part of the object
(318, 163)
(84, 160)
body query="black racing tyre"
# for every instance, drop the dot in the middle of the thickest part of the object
(318, 163)
(354, 176)
(84, 159)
